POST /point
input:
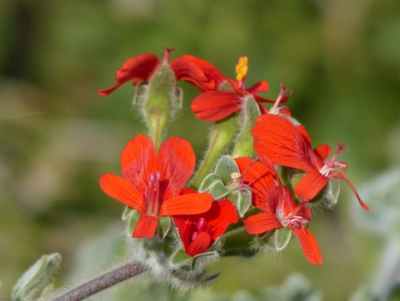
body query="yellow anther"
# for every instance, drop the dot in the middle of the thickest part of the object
(241, 68)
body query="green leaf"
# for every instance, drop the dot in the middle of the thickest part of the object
(242, 200)
(209, 181)
(36, 279)
(180, 258)
(224, 169)
(218, 190)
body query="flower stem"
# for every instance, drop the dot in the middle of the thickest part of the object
(221, 136)
(103, 282)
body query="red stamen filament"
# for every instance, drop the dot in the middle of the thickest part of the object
(153, 194)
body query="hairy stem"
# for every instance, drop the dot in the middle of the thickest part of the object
(103, 282)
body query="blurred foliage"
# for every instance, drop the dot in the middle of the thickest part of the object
(57, 136)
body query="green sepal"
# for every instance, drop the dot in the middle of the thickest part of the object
(329, 195)
(128, 211)
(48, 289)
(211, 278)
(225, 167)
(237, 242)
(180, 258)
(35, 280)
(133, 219)
(242, 200)
(278, 239)
(164, 225)
(282, 238)
(140, 95)
(244, 141)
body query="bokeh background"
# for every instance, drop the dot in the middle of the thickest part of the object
(341, 58)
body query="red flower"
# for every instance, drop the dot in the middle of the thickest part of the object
(198, 232)
(288, 145)
(151, 183)
(142, 68)
(278, 206)
(227, 95)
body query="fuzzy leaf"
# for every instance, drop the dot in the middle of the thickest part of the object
(209, 181)
(242, 201)
(224, 168)
(218, 190)
(35, 280)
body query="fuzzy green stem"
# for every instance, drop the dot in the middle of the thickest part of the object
(222, 134)
(103, 282)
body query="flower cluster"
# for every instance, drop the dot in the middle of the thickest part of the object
(256, 187)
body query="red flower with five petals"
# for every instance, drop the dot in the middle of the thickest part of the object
(142, 68)
(278, 206)
(290, 146)
(152, 183)
(198, 232)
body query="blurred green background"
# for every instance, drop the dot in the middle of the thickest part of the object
(341, 58)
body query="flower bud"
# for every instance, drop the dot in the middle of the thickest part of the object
(161, 98)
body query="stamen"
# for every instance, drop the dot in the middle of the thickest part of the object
(153, 194)
(241, 71)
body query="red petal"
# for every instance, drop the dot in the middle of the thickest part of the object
(176, 161)
(185, 227)
(308, 186)
(140, 67)
(146, 226)
(188, 71)
(259, 87)
(323, 151)
(261, 223)
(138, 160)
(214, 106)
(309, 244)
(280, 140)
(219, 217)
(119, 189)
(200, 244)
(186, 204)
(214, 76)
(262, 182)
